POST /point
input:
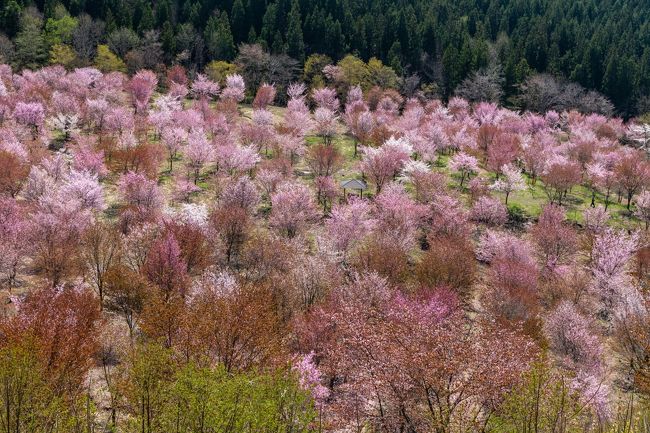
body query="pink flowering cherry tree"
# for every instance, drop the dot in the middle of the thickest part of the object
(463, 164)
(293, 209)
(511, 181)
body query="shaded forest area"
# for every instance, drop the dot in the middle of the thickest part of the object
(433, 45)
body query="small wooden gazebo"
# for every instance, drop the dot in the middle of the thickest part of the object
(354, 184)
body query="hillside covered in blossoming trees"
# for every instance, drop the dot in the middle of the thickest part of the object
(180, 255)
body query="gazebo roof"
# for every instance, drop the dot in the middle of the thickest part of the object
(354, 184)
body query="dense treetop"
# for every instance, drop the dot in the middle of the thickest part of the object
(174, 259)
(602, 45)
(178, 253)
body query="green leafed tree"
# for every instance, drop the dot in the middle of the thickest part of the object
(162, 396)
(59, 30)
(210, 399)
(107, 61)
(544, 402)
(27, 400)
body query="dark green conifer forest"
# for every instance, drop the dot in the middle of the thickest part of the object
(603, 45)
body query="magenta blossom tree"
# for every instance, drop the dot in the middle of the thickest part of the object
(142, 197)
(142, 86)
(325, 97)
(403, 350)
(14, 240)
(235, 88)
(325, 121)
(203, 88)
(611, 254)
(349, 223)
(293, 209)
(426, 183)
(235, 159)
(265, 96)
(463, 164)
(86, 158)
(173, 139)
(360, 122)
(554, 238)
(496, 245)
(198, 152)
(511, 181)
(84, 187)
(398, 216)
(166, 268)
(383, 164)
(490, 211)
(241, 193)
(571, 338)
(31, 114)
(595, 219)
(643, 208)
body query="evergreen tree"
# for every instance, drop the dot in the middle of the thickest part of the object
(218, 37)
(278, 43)
(269, 24)
(252, 36)
(163, 13)
(147, 21)
(48, 8)
(77, 7)
(123, 14)
(31, 47)
(168, 40)
(618, 81)
(589, 72)
(194, 15)
(395, 57)
(111, 25)
(255, 12)
(295, 43)
(239, 24)
(644, 72)
(10, 18)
